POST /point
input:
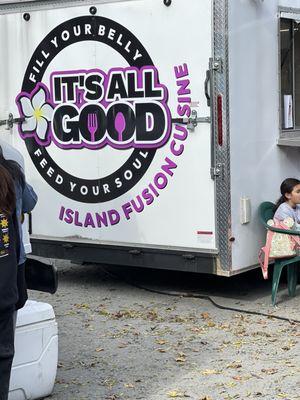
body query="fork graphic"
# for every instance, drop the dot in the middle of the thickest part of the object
(92, 125)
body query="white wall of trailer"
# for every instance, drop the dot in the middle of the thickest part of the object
(16, 1)
(186, 206)
(258, 164)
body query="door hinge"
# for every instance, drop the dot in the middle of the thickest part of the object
(216, 64)
(10, 121)
(217, 171)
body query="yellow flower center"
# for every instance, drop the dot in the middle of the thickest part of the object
(38, 113)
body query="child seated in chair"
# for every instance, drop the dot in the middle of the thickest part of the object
(288, 205)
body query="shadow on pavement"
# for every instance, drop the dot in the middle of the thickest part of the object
(246, 291)
(249, 284)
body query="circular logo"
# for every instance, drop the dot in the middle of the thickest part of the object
(120, 108)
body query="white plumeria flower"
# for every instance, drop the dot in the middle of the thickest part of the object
(37, 113)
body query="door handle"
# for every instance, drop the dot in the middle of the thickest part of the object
(206, 85)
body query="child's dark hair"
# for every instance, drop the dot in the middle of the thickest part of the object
(286, 186)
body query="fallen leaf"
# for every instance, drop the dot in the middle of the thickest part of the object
(129, 385)
(205, 315)
(82, 306)
(161, 341)
(198, 330)
(269, 371)
(161, 350)
(174, 394)
(103, 312)
(241, 378)
(230, 384)
(209, 372)
(211, 324)
(235, 365)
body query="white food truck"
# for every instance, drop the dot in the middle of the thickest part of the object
(152, 129)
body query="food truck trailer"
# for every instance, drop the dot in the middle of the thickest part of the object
(152, 129)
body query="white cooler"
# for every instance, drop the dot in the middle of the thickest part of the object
(36, 351)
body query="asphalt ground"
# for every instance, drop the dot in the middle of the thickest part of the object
(119, 338)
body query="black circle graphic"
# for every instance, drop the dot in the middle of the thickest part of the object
(86, 190)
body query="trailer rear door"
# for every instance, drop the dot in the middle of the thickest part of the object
(101, 90)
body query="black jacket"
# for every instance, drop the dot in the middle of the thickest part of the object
(9, 250)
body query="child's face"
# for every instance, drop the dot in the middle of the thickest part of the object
(294, 196)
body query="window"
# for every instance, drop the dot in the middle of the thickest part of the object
(290, 73)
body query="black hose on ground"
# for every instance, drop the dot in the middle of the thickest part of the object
(201, 296)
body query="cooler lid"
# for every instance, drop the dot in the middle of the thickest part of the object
(34, 312)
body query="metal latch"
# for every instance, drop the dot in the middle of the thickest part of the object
(217, 171)
(11, 121)
(194, 120)
(191, 122)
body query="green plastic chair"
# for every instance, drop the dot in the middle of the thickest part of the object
(265, 213)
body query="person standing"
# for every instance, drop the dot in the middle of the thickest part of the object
(26, 200)
(9, 253)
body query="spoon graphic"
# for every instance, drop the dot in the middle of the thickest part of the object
(120, 125)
